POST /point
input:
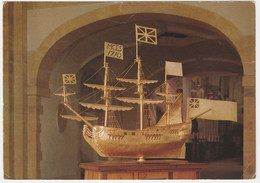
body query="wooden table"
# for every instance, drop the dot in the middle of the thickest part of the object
(149, 169)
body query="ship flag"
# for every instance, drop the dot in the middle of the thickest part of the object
(212, 109)
(69, 79)
(146, 34)
(173, 68)
(114, 50)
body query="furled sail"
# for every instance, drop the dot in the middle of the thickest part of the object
(169, 94)
(74, 117)
(136, 81)
(137, 100)
(64, 95)
(115, 88)
(103, 107)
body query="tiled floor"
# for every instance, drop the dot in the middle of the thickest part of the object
(231, 168)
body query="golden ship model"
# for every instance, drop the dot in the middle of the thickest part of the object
(165, 139)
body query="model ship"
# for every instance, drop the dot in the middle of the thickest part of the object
(166, 138)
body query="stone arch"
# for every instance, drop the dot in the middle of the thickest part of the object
(217, 21)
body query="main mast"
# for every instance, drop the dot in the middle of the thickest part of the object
(139, 85)
(145, 35)
(140, 90)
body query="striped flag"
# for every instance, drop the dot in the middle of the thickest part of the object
(146, 34)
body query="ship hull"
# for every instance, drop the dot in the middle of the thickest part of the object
(154, 142)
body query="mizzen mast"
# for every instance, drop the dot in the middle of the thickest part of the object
(174, 69)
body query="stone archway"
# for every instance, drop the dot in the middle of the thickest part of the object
(243, 44)
(240, 42)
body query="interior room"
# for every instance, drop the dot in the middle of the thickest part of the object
(213, 41)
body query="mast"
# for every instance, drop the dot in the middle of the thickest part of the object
(174, 69)
(65, 99)
(66, 103)
(136, 42)
(167, 101)
(106, 91)
(140, 91)
(139, 85)
(145, 35)
(114, 51)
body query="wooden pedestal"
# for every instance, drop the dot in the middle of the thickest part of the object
(149, 169)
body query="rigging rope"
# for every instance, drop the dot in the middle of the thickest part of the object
(93, 74)
(58, 89)
(127, 69)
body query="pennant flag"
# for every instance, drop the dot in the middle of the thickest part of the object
(173, 68)
(146, 34)
(69, 78)
(114, 50)
(212, 109)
